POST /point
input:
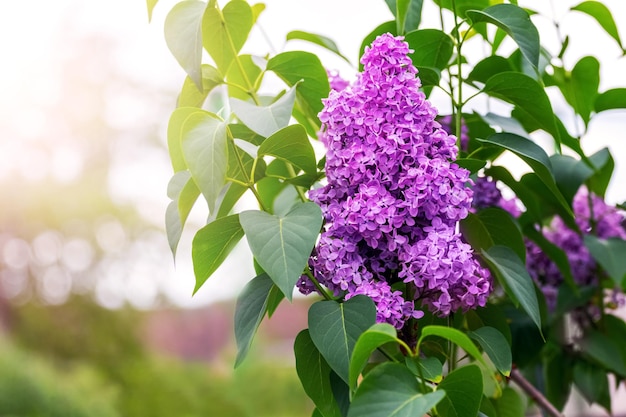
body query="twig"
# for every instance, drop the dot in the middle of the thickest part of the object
(534, 393)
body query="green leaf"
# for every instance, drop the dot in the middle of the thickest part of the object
(555, 253)
(580, 87)
(506, 124)
(472, 165)
(489, 67)
(249, 312)
(205, 150)
(314, 374)
(431, 48)
(610, 255)
(184, 193)
(387, 27)
(495, 346)
(294, 66)
(391, 390)
(291, 144)
(592, 382)
(475, 232)
(528, 96)
(430, 367)
(335, 328)
(265, 120)
(455, 336)
(174, 136)
(557, 374)
(503, 230)
(408, 15)
(512, 274)
(183, 35)
(257, 9)
(462, 6)
(610, 100)
(224, 32)
(604, 350)
(464, 392)
(510, 404)
(516, 23)
(569, 174)
(151, 4)
(320, 40)
(534, 156)
(240, 76)
(190, 96)
(370, 340)
(603, 16)
(603, 164)
(282, 245)
(212, 244)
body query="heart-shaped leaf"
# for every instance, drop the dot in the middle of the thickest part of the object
(610, 255)
(464, 392)
(265, 120)
(183, 35)
(432, 48)
(291, 144)
(603, 16)
(495, 346)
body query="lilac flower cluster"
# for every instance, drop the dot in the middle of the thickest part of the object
(447, 125)
(592, 215)
(336, 82)
(393, 197)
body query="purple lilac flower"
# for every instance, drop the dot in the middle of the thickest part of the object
(336, 82)
(447, 125)
(393, 197)
(593, 216)
(487, 194)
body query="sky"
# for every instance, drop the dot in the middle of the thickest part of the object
(41, 46)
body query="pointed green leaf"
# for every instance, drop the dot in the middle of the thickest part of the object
(206, 153)
(391, 390)
(516, 23)
(151, 4)
(475, 232)
(611, 100)
(265, 120)
(249, 312)
(183, 35)
(464, 392)
(190, 96)
(408, 14)
(472, 165)
(335, 328)
(373, 338)
(463, 6)
(428, 367)
(569, 174)
(291, 144)
(604, 350)
(455, 336)
(184, 193)
(503, 230)
(224, 32)
(431, 48)
(320, 40)
(495, 346)
(527, 95)
(295, 66)
(282, 245)
(506, 124)
(603, 16)
(603, 164)
(257, 9)
(212, 244)
(592, 382)
(314, 374)
(174, 136)
(580, 87)
(609, 253)
(489, 67)
(513, 276)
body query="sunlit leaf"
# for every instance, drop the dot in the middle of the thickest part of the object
(151, 4)
(320, 40)
(242, 84)
(184, 193)
(603, 16)
(455, 336)
(292, 145)
(190, 96)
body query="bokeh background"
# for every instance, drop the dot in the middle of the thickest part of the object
(96, 318)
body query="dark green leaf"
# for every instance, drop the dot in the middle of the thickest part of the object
(553, 203)
(592, 382)
(489, 67)
(190, 96)
(527, 95)
(516, 23)
(495, 346)
(506, 124)
(314, 374)
(294, 66)
(462, 6)
(510, 404)
(464, 392)
(335, 328)
(291, 144)
(603, 164)
(205, 150)
(428, 367)
(603, 16)
(492, 315)
(486, 408)
(183, 35)
(604, 350)
(342, 393)
(569, 174)
(249, 311)
(432, 48)
(391, 389)
(512, 275)
(570, 298)
(373, 338)
(387, 27)
(429, 76)
(503, 230)
(609, 253)
(212, 244)
(580, 87)
(265, 120)
(555, 253)
(472, 165)
(455, 336)
(408, 14)
(224, 32)
(320, 40)
(475, 232)
(611, 99)
(557, 375)
(282, 245)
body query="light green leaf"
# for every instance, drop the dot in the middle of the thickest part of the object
(251, 307)
(335, 328)
(282, 245)
(225, 32)
(174, 136)
(370, 340)
(580, 87)
(610, 255)
(314, 374)
(265, 120)
(239, 81)
(183, 35)
(516, 23)
(391, 390)
(611, 100)
(513, 276)
(257, 9)
(464, 392)
(431, 48)
(212, 244)
(206, 153)
(455, 336)
(495, 346)
(603, 16)
(472, 165)
(320, 40)
(151, 4)
(184, 193)
(190, 96)
(291, 144)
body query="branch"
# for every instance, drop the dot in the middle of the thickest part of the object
(534, 393)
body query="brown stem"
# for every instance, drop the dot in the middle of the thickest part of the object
(534, 393)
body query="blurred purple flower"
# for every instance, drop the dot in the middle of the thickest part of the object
(447, 124)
